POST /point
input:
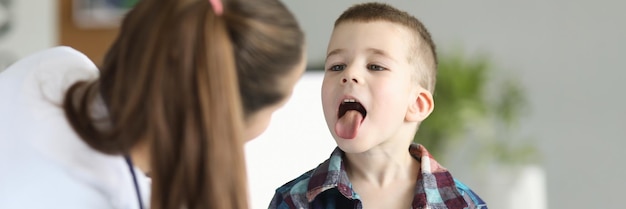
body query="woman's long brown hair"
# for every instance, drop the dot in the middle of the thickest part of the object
(176, 78)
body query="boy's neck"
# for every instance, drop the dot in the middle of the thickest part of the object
(382, 166)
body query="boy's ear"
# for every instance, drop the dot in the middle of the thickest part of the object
(420, 106)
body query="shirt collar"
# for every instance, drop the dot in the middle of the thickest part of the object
(435, 185)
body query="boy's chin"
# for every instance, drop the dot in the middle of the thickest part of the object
(352, 146)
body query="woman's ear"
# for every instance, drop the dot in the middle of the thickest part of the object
(420, 106)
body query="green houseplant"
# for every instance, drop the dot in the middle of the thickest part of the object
(472, 103)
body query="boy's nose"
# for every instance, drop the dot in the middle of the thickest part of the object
(350, 75)
(345, 80)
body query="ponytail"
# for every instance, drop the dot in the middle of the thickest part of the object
(170, 82)
(209, 170)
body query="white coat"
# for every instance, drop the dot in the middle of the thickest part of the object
(43, 162)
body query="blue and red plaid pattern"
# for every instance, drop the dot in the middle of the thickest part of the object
(328, 187)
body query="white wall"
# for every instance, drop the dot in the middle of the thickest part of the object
(32, 27)
(567, 53)
(296, 141)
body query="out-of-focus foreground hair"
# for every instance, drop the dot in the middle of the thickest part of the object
(182, 79)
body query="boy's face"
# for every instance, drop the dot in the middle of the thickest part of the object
(367, 87)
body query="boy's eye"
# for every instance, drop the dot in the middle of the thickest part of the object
(375, 68)
(337, 67)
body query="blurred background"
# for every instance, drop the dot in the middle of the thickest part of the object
(529, 105)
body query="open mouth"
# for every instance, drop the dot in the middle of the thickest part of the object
(350, 104)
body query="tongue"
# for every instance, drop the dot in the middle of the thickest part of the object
(349, 124)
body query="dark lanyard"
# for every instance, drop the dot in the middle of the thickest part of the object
(132, 172)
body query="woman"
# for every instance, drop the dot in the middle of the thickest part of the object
(181, 89)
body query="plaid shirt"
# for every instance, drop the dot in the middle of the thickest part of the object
(328, 187)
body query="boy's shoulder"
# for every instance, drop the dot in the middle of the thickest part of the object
(298, 185)
(293, 193)
(326, 175)
(471, 198)
(299, 192)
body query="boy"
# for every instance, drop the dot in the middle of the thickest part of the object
(378, 84)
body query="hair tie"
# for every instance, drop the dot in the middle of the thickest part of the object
(217, 6)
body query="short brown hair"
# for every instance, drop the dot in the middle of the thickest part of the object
(424, 49)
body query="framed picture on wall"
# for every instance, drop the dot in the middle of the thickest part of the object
(100, 14)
